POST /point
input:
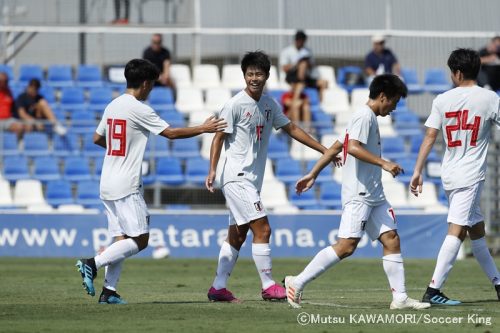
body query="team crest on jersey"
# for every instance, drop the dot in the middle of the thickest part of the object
(258, 206)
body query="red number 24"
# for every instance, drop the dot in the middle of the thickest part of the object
(114, 134)
(461, 124)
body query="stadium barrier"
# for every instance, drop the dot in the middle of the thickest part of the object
(200, 235)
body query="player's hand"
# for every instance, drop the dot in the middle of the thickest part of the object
(337, 161)
(393, 168)
(416, 184)
(304, 183)
(212, 124)
(209, 181)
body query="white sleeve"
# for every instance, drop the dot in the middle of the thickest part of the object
(150, 120)
(435, 120)
(279, 118)
(495, 116)
(360, 128)
(228, 113)
(101, 128)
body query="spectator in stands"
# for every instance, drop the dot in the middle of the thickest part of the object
(490, 56)
(297, 62)
(119, 19)
(34, 109)
(380, 60)
(297, 111)
(7, 121)
(160, 56)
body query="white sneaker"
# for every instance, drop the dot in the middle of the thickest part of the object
(409, 303)
(293, 294)
(60, 129)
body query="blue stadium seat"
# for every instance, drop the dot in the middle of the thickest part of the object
(436, 81)
(15, 168)
(173, 118)
(350, 77)
(148, 172)
(186, 148)
(321, 120)
(99, 98)
(330, 195)
(406, 120)
(72, 98)
(59, 193)
(304, 200)
(169, 171)
(89, 76)
(46, 168)
(36, 144)
(442, 198)
(157, 146)
(97, 170)
(7, 69)
(83, 121)
(9, 144)
(59, 76)
(28, 72)
(278, 147)
(408, 165)
(87, 194)
(411, 80)
(66, 145)
(393, 147)
(161, 99)
(326, 175)
(276, 94)
(48, 94)
(196, 170)
(76, 169)
(90, 149)
(312, 95)
(288, 170)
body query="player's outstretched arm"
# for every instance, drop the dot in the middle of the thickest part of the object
(210, 125)
(99, 140)
(298, 134)
(215, 150)
(425, 148)
(355, 148)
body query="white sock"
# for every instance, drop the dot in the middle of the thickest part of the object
(483, 256)
(395, 271)
(227, 258)
(261, 254)
(446, 257)
(117, 251)
(112, 275)
(323, 260)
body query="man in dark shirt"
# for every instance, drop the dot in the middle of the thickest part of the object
(160, 56)
(380, 60)
(489, 75)
(31, 106)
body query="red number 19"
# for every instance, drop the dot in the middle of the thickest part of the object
(121, 135)
(461, 124)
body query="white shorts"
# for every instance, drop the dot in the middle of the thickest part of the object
(358, 217)
(243, 201)
(127, 216)
(464, 205)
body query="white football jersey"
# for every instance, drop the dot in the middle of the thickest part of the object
(126, 124)
(362, 181)
(466, 115)
(249, 125)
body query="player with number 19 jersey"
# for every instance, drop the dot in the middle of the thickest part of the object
(465, 115)
(126, 125)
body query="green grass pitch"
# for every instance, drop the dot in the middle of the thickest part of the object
(45, 295)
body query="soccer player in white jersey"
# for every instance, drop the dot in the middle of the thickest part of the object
(251, 116)
(365, 207)
(466, 115)
(123, 131)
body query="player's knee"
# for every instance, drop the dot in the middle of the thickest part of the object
(391, 241)
(142, 241)
(344, 249)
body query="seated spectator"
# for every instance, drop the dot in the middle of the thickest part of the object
(33, 109)
(160, 56)
(490, 64)
(380, 60)
(297, 62)
(7, 121)
(299, 110)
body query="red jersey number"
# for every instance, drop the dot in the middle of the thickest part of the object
(462, 124)
(117, 130)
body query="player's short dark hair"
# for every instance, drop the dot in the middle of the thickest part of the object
(389, 84)
(139, 70)
(256, 59)
(300, 35)
(35, 83)
(466, 61)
